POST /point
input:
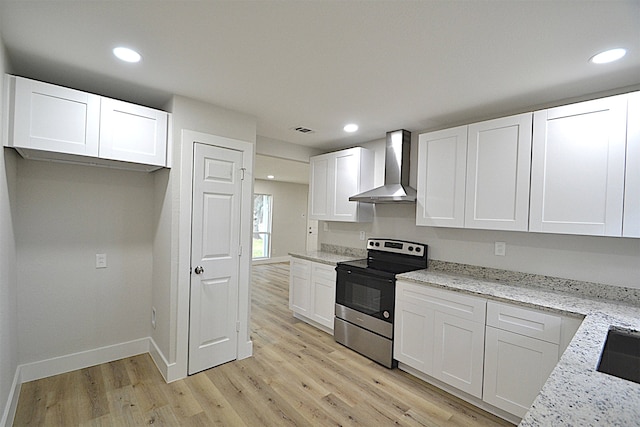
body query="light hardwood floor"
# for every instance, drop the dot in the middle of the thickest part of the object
(298, 376)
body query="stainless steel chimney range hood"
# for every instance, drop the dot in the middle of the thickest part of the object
(396, 187)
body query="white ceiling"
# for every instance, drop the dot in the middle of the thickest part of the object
(417, 65)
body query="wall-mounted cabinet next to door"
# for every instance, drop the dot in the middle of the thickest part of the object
(50, 122)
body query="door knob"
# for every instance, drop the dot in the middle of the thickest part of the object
(199, 270)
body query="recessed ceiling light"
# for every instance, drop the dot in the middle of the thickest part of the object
(126, 54)
(608, 56)
(270, 177)
(351, 127)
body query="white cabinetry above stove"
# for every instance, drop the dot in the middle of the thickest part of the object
(334, 177)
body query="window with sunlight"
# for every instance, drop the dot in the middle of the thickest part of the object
(262, 226)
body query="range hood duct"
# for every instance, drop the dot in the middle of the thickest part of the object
(396, 173)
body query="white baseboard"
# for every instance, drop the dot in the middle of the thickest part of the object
(12, 401)
(158, 358)
(83, 359)
(270, 260)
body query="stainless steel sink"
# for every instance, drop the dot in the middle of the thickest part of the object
(620, 356)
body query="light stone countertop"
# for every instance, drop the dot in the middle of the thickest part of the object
(575, 393)
(323, 257)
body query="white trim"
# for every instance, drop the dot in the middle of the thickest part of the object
(12, 400)
(161, 362)
(270, 260)
(83, 359)
(245, 346)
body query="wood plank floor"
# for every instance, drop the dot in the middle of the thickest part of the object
(298, 377)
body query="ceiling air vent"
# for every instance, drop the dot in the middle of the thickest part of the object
(303, 129)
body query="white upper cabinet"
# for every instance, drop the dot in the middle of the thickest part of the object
(334, 177)
(442, 161)
(476, 176)
(56, 123)
(132, 133)
(54, 118)
(578, 168)
(631, 219)
(498, 167)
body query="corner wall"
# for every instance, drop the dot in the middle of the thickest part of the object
(9, 384)
(170, 289)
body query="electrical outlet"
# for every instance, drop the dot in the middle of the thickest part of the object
(153, 317)
(362, 235)
(325, 226)
(101, 260)
(500, 249)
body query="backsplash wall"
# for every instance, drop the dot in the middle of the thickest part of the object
(607, 260)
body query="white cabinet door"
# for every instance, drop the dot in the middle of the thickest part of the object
(441, 177)
(319, 174)
(323, 297)
(577, 171)
(333, 178)
(458, 352)
(300, 286)
(413, 330)
(345, 183)
(631, 221)
(516, 368)
(54, 118)
(498, 167)
(133, 133)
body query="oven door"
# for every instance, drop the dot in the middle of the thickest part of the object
(365, 293)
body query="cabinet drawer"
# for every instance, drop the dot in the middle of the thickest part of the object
(322, 271)
(300, 268)
(524, 321)
(449, 302)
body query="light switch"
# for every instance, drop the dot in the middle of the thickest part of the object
(101, 260)
(362, 235)
(500, 249)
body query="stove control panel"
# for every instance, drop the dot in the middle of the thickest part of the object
(396, 246)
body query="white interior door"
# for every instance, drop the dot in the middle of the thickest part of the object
(215, 256)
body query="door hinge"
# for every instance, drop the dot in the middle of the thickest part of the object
(237, 326)
(240, 250)
(242, 171)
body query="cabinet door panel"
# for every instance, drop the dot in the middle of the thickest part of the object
(414, 336)
(516, 368)
(54, 118)
(577, 176)
(441, 178)
(319, 188)
(300, 286)
(498, 167)
(323, 286)
(458, 353)
(346, 170)
(133, 133)
(631, 222)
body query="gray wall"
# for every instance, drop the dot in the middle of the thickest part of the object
(8, 279)
(66, 214)
(289, 216)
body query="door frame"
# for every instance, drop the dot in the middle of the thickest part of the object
(245, 346)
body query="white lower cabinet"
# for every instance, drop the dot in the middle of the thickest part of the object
(498, 354)
(521, 350)
(312, 291)
(441, 333)
(515, 369)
